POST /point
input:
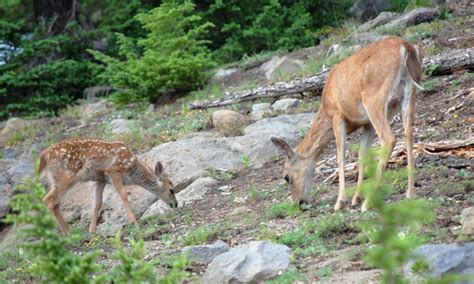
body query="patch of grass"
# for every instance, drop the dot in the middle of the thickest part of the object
(430, 86)
(455, 188)
(290, 276)
(315, 65)
(324, 272)
(432, 50)
(415, 34)
(204, 234)
(256, 194)
(283, 210)
(266, 233)
(304, 241)
(220, 174)
(334, 224)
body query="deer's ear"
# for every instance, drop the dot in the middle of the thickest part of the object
(283, 146)
(159, 170)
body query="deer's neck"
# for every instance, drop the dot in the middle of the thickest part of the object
(318, 137)
(141, 175)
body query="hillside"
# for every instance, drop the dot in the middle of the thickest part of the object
(230, 178)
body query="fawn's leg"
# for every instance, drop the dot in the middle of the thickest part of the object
(117, 182)
(99, 190)
(53, 199)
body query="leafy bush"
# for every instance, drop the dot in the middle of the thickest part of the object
(51, 261)
(45, 74)
(249, 27)
(393, 229)
(173, 54)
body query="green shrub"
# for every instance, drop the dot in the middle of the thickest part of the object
(47, 252)
(393, 228)
(172, 56)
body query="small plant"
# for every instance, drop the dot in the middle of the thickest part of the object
(324, 272)
(283, 210)
(304, 241)
(256, 194)
(393, 228)
(245, 161)
(291, 276)
(221, 174)
(430, 86)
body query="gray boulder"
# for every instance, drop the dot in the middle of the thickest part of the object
(285, 105)
(259, 110)
(444, 259)
(119, 126)
(228, 122)
(254, 262)
(364, 10)
(204, 254)
(467, 221)
(222, 74)
(6, 193)
(277, 67)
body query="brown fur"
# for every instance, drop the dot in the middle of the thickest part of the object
(85, 159)
(363, 91)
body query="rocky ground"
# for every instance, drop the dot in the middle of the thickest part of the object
(230, 175)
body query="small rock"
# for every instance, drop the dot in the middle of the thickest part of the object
(285, 105)
(280, 66)
(238, 211)
(204, 254)
(195, 190)
(89, 110)
(467, 221)
(254, 262)
(222, 74)
(229, 122)
(14, 124)
(259, 110)
(9, 153)
(157, 208)
(6, 193)
(119, 126)
(443, 259)
(335, 49)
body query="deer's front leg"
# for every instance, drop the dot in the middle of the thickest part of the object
(99, 190)
(340, 132)
(117, 182)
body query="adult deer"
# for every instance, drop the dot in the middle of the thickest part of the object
(363, 91)
(84, 159)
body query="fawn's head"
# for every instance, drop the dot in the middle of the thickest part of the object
(296, 172)
(166, 188)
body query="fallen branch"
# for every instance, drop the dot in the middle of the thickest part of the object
(463, 148)
(437, 65)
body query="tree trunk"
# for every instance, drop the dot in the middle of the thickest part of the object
(55, 13)
(442, 64)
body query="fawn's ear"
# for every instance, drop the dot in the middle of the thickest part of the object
(282, 145)
(159, 170)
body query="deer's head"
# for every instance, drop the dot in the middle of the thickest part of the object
(297, 172)
(166, 188)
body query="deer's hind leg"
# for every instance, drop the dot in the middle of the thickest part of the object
(99, 191)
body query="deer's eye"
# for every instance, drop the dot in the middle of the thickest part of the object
(287, 178)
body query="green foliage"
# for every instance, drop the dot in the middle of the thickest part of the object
(173, 55)
(51, 260)
(393, 228)
(291, 276)
(305, 241)
(132, 267)
(403, 5)
(45, 74)
(282, 210)
(250, 27)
